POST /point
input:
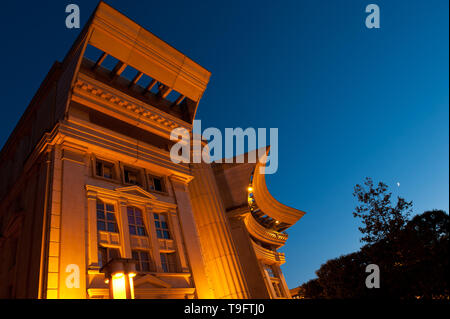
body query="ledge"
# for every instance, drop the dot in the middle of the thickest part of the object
(261, 233)
(268, 256)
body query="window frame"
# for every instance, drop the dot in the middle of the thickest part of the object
(108, 256)
(139, 175)
(139, 261)
(160, 229)
(143, 225)
(172, 267)
(105, 219)
(114, 170)
(150, 183)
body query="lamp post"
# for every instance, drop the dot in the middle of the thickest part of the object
(119, 275)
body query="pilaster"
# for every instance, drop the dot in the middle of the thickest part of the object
(72, 279)
(221, 260)
(191, 238)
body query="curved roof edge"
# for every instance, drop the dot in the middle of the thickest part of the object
(266, 202)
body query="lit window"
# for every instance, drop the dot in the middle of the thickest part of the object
(106, 220)
(142, 259)
(106, 254)
(168, 262)
(136, 221)
(132, 176)
(104, 169)
(156, 183)
(162, 226)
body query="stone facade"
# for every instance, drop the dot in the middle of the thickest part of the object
(87, 177)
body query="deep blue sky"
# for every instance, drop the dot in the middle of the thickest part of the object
(349, 102)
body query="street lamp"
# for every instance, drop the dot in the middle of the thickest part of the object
(119, 275)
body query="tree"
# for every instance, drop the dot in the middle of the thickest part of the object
(343, 277)
(412, 255)
(380, 218)
(311, 290)
(425, 250)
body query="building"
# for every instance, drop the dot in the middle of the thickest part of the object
(87, 181)
(297, 293)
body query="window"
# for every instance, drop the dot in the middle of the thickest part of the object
(162, 226)
(106, 220)
(142, 259)
(168, 262)
(156, 183)
(132, 176)
(106, 254)
(104, 169)
(270, 271)
(135, 221)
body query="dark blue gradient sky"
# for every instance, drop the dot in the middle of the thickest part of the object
(349, 102)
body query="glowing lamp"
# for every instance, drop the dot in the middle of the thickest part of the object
(119, 275)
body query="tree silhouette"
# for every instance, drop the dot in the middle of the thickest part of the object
(381, 220)
(413, 256)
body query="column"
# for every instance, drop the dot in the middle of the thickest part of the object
(178, 240)
(124, 231)
(154, 239)
(92, 230)
(221, 259)
(191, 238)
(72, 270)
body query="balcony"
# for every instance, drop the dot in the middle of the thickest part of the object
(268, 256)
(269, 236)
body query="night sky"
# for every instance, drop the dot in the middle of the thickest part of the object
(349, 102)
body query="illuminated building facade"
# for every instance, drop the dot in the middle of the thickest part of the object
(88, 189)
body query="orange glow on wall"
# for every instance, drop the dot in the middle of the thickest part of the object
(119, 287)
(130, 277)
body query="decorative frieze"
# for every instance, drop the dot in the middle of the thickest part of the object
(88, 87)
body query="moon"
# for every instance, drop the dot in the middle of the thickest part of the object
(398, 184)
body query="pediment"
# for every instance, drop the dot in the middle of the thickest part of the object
(136, 191)
(149, 281)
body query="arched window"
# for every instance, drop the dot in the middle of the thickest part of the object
(136, 221)
(106, 220)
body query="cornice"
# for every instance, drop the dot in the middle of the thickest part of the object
(91, 90)
(127, 41)
(86, 133)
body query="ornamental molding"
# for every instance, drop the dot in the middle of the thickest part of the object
(123, 194)
(96, 91)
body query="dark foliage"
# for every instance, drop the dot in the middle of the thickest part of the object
(413, 256)
(381, 220)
